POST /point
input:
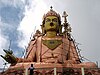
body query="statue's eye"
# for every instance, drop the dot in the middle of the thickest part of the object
(54, 20)
(48, 20)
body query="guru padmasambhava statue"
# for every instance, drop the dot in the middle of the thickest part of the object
(52, 45)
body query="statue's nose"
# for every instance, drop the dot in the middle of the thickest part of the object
(51, 24)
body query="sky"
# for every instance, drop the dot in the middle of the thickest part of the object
(19, 19)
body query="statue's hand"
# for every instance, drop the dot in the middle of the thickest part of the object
(9, 57)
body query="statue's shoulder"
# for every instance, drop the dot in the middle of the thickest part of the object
(37, 35)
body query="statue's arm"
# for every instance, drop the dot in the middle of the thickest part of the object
(10, 58)
(72, 53)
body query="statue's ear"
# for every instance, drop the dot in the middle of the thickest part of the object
(43, 29)
(57, 28)
(59, 31)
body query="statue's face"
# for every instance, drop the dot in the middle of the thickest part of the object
(51, 23)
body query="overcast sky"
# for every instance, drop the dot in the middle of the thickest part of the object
(19, 19)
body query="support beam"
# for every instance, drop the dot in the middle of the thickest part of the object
(55, 73)
(82, 69)
(26, 71)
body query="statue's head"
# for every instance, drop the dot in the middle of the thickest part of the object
(51, 22)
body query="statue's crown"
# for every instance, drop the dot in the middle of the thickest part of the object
(51, 13)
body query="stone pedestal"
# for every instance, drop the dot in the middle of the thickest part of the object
(48, 69)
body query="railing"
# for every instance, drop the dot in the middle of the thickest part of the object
(52, 71)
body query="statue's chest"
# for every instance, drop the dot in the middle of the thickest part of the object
(52, 43)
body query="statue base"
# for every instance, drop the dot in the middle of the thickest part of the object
(48, 69)
(52, 65)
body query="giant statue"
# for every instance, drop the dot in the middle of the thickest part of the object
(54, 45)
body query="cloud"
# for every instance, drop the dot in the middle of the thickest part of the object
(33, 17)
(14, 3)
(10, 17)
(3, 44)
(3, 41)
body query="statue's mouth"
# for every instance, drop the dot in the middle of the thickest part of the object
(51, 24)
(51, 29)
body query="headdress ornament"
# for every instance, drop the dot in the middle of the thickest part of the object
(51, 13)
